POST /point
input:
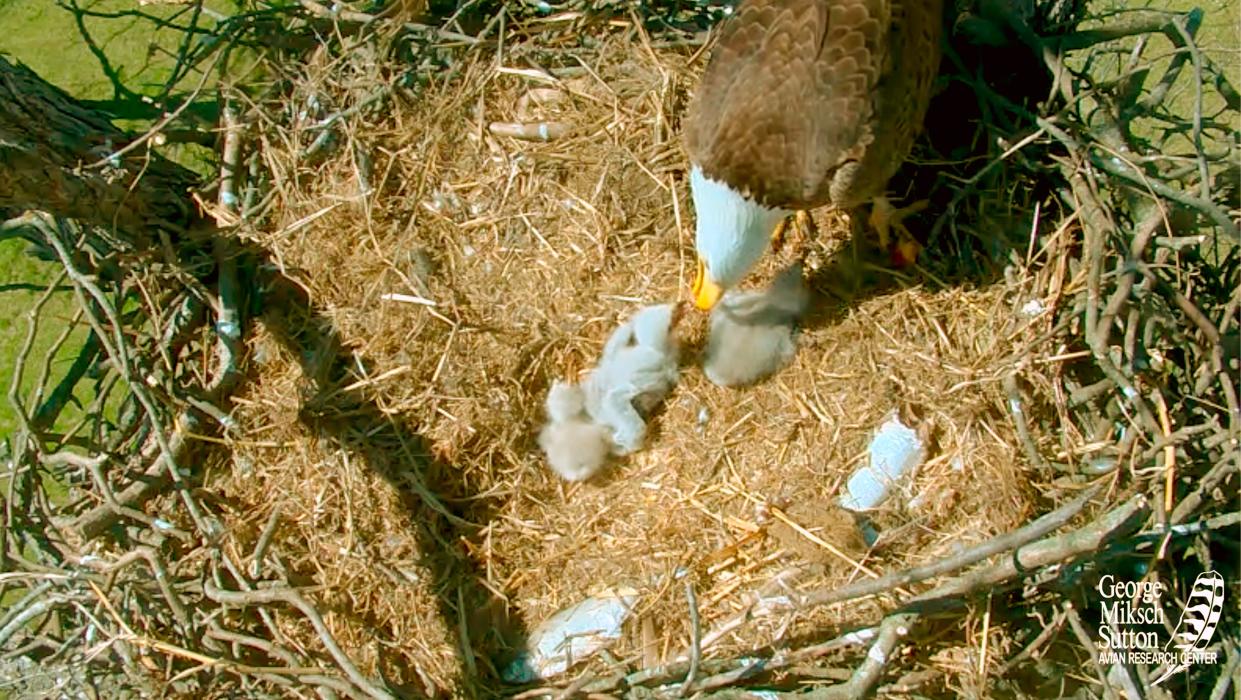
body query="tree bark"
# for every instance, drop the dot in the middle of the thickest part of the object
(56, 155)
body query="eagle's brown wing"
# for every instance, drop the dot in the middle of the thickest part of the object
(807, 102)
(788, 96)
(901, 98)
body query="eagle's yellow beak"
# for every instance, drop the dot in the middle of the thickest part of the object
(706, 292)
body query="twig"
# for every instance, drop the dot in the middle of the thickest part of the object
(535, 131)
(1227, 675)
(1013, 540)
(291, 597)
(260, 549)
(1181, 26)
(1176, 437)
(986, 634)
(695, 644)
(1121, 520)
(1209, 481)
(230, 161)
(1016, 408)
(1147, 23)
(998, 545)
(19, 363)
(1169, 454)
(1114, 166)
(150, 482)
(228, 325)
(1088, 645)
(117, 351)
(763, 603)
(101, 482)
(1043, 637)
(729, 671)
(35, 609)
(266, 646)
(45, 416)
(112, 158)
(25, 445)
(864, 678)
(1218, 522)
(15, 608)
(1097, 224)
(336, 12)
(893, 629)
(1141, 238)
(158, 571)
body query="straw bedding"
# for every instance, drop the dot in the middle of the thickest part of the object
(522, 257)
(308, 463)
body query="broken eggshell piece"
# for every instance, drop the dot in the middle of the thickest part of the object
(894, 452)
(571, 635)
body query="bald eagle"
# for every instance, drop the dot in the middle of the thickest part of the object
(804, 103)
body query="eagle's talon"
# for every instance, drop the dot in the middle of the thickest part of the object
(807, 231)
(779, 235)
(804, 231)
(885, 218)
(904, 251)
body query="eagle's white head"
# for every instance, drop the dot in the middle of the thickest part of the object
(732, 232)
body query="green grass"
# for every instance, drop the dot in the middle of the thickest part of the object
(52, 44)
(57, 313)
(1219, 39)
(105, 60)
(1219, 42)
(110, 61)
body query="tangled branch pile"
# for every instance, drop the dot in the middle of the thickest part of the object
(295, 453)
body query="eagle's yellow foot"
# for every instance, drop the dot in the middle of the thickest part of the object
(905, 250)
(804, 230)
(885, 218)
(778, 236)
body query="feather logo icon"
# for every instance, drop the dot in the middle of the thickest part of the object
(1198, 620)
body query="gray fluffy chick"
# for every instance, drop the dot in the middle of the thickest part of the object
(637, 370)
(576, 447)
(753, 334)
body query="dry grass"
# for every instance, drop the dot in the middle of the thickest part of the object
(357, 505)
(527, 254)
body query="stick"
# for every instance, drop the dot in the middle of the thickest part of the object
(1123, 519)
(1016, 408)
(153, 480)
(695, 630)
(536, 131)
(260, 549)
(1003, 543)
(118, 352)
(1018, 538)
(1046, 634)
(293, 598)
(1226, 677)
(728, 671)
(893, 629)
(1189, 505)
(1092, 652)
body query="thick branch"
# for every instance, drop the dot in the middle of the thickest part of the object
(46, 140)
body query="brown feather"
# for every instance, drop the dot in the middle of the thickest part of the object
(810, 102)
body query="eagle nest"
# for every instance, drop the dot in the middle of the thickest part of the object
(425, 221)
